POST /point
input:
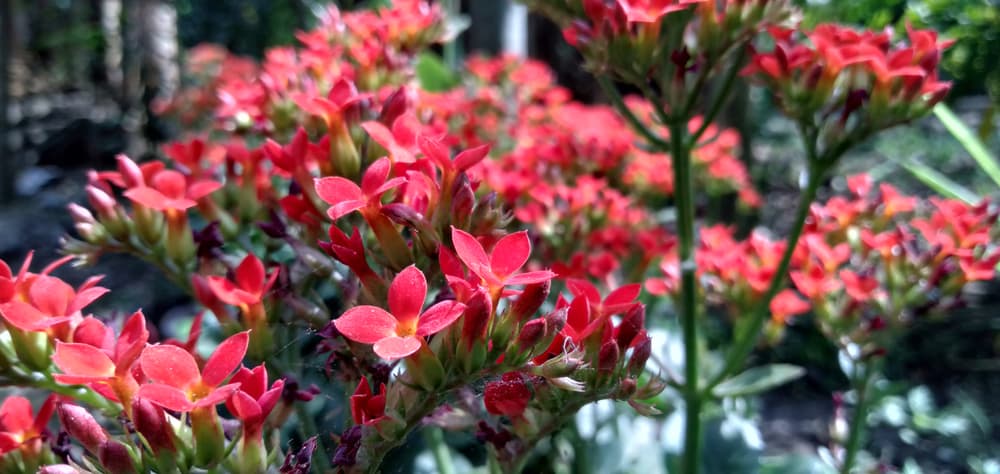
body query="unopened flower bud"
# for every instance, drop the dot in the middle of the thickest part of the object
(150, 421)
(130, 172)
(640, 354)
(556, 320)
(81, 425)
(463, 201)
(114, 457)
(530, 300)
(626, 389)
(631, 325)
(394, 106)
(531, 334)
(608, 357)
(476, 319)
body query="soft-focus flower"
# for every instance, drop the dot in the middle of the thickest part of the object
(18, 426)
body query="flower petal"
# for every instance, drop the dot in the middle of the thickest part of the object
(438, 317)
(529, 278)
(148, 197)
(217, 396)
(470, 251)
(407, 293)
(169, 365)
(250, 274)
(131, 341)
(225, 359)
(375, 176)
(510, 254)
(245, 407)
(335, 189)
(392, 347)
(227, 291)
(166, 396)
(15, 414)
(366, 324)
(82, 360)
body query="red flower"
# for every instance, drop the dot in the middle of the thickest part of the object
(650, 11)
(498, 269)
(787, 304)
(345, 196)
(618, 301)
(253, 402)
(50, 301)
(17, 426)
(508, 396)
(250, 285)
(179, 385)
(170, 190)
(367, 408)
(87, 364)
(399, 332)
(398, 141)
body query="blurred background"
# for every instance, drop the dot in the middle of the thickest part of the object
(81, 78)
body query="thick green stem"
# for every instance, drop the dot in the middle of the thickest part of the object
(746, 337)
(862, 385)
(684, 201)
(442, 457)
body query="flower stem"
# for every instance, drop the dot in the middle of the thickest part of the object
(684, 201)
(858, 418)
(747, 338)
(442, 457)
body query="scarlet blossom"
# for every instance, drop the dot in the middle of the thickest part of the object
(499, 268)
(650, 11)
(249, 285)
(254, 401)
(49, 301)
(399, 141)
(508, 396)
(169, 190)
(367, 408)
(177, 382)
(18, 426)
(787, 304)
(399, 332)
(345, 196)
(82, 363)
(618, 301)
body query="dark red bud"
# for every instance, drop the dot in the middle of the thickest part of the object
(115, 458)
(531, 334)
(530, 300)
(82, 426)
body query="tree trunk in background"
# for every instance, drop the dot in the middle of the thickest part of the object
(111, 33)
(6, 49)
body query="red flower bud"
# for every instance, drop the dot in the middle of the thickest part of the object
(530, 300)
(81, 425)
(114, 457)
(508, 396)
(150, 422)
(631, 325)
(608, 357)
(640, 354)
(531, 334)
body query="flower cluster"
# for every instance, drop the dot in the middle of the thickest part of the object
(867, 264)
(121, 372)
(846, 84)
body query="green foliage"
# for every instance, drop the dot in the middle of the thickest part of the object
(433, 74)
(758, 379)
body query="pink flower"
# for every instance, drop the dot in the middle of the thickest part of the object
(179, 385)
(399, 332)
(344, 196)
(498, 269)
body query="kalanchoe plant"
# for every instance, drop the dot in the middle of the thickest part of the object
(405, 249)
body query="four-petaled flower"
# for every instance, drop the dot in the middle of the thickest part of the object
(345, 196)
(178, 384)
(248, 287)
(399, 332)
(170, 191)
(499, 268)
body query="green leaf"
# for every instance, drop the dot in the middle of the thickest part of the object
(970, 141)
(758, 379)
(433, 74)
(940, 183)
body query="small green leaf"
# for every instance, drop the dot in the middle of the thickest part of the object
(940, 183)
(758, 379)
(433, 74)
(969, 140)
